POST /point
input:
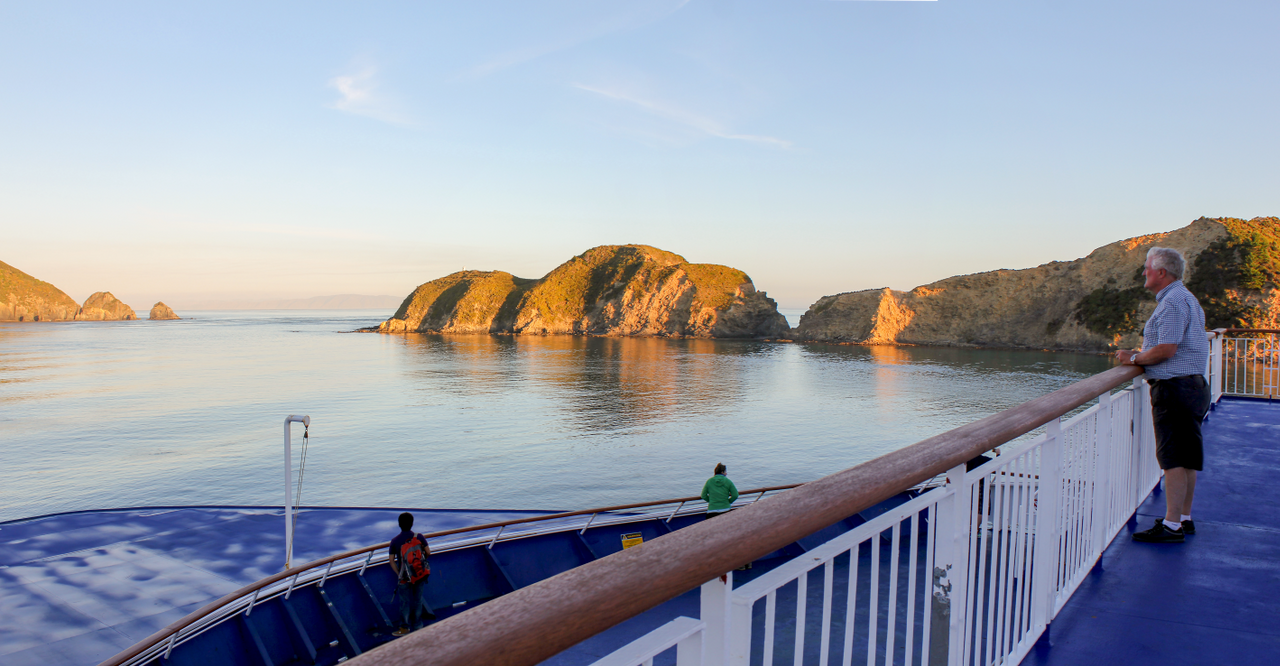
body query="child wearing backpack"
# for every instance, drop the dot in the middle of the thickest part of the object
(408, 559)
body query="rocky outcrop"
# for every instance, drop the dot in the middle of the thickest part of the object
(1093, 303)
(103, 306)
(163, 312)
(607, 290)
(24, 298)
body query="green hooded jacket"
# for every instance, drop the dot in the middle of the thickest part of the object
(719, 492)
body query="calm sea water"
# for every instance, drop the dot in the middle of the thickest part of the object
(112, 414)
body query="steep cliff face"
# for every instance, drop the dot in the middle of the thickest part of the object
(24, 298)
(1093, 303)
(103, 306)
(163, 312)
(607, 290)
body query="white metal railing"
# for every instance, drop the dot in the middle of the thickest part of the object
(1251, 365)
(683, 634)
(968, 573)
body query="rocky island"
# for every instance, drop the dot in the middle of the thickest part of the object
(103, 306)
(612, 290)
(163, 312)
(1093, 303)
(24, 298)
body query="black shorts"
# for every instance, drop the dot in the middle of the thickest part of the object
(1178, 407)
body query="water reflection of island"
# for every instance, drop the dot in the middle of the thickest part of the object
(596, 384)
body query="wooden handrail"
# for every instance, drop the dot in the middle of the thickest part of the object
(536, 622)
(202, 612)
(1249, 330)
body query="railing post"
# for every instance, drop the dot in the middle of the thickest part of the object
(1102, 477)
(1220, 368)
(950, 572)
(1216, 368)
(716, 596)
(739, 639)
(1045, 580)
(689, 650)
(1141, 399)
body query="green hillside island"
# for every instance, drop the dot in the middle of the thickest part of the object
(25, 298)
(607, 290)
(1094, 303)
(1235, 278)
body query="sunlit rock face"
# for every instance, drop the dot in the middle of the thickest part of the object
(103, 306)
(609, 290)
(1093, 303)
(163, 312)
(24, 298)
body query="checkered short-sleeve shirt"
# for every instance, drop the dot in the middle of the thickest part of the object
(1179, 320)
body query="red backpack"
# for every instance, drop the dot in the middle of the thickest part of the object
(413, 560)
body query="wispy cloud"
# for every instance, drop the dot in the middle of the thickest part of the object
(645, 14)
(360, 96)
(682, 117)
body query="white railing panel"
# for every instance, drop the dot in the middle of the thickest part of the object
(846, 600)
(1250, 366)
(968, 573)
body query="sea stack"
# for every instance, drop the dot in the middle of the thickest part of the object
(163, 312)
(611, 290)
(103, 306)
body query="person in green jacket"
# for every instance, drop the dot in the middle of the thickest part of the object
(719, 492)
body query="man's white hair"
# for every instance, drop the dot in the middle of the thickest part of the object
(1169, 259)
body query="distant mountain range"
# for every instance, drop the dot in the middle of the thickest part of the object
(335, 302)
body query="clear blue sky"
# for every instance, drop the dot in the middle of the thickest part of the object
(180, 151)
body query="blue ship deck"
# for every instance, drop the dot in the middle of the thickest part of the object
(76, 588)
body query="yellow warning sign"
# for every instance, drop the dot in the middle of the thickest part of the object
(633, 539)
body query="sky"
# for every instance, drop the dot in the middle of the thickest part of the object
(193, 151)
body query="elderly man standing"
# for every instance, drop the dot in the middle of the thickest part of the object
(1174, 352)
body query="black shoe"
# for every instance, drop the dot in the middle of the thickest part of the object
(1188, 527)
(1159, 534)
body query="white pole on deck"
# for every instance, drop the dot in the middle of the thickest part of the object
(288, 485)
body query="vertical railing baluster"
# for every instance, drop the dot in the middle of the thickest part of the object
(930, 541)
(978, 613)
(802, 597)
(1022, 525)
(851, 603)
(999, 567)
(1102, 494)
(912, 574)
(895, 554)
(828, 573)
(873, 608)
(1046, 555)
(770, 620)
